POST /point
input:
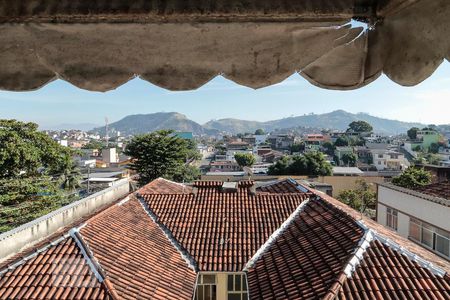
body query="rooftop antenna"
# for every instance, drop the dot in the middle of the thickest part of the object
(106, 134)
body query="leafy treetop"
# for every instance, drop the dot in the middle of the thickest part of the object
(310, 163)
(360, 126)
(412, 178)
(259, 131)
(27, 152)
(160, 154)
(245, 159)
(412, 133)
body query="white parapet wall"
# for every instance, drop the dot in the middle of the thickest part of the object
(27, 234)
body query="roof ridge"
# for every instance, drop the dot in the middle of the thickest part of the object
(190, 261)
(372, 235)
(273, 237)
(92, 262)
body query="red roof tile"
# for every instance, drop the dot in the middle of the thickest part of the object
(281, 186)
(385, 273)
(136, 256)
(143, 254)
(58, 272)
(441, 189)
(222, 231)
(164, 186)
(307, 258)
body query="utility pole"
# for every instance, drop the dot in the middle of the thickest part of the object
(88, 179)
(106, 135)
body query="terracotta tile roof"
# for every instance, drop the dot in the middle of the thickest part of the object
(136, 256)
(59, 271)
(387, 233)
(440, 189)
(222, 231)
(307, 258)
(292, 246)
(164, 186)
(385, 273)
(281, 186)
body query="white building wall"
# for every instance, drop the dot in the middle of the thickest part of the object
(425, 210)
(27, 234)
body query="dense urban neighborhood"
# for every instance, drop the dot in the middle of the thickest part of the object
(225, 150)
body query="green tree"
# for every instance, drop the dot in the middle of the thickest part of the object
(341, 142)
(298, 147)
(186, 173)
(25, 199)
(27, 152)
(412, 133)
(245, 159)
(361, 198)
(259, 131)
(280, 167)
(360, 126)
(434, 148)
(412, 178)
(310, 164)
(349, 159)
(69, 174)
(328, 148)
(93, 144)
(157, 154)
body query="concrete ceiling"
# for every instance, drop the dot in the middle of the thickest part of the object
(182, 46)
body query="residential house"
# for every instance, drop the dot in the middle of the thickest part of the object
(421, 214)
(439, 173)
(224, 166)
(263, 149)
(444, 156)
(249, 139)
(423, 140)
(389, 160)
(339, 152)
(216, 240)
(281, 141)
(272, 156)
(237, 145)
(314, 141)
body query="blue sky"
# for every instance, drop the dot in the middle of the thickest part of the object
(61, 103)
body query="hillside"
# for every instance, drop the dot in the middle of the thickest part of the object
(338, 119)
(143, 123)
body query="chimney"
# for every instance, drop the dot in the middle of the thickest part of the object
(229, 187)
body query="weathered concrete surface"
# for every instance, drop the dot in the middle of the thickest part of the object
(177, 10)
(407, 46)
(12, 241)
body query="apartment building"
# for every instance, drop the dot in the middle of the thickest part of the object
(421, 215)
(389, 160)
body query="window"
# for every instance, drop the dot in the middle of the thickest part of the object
(206, 287)
(429, 236)
(391, 218)
(237, 287)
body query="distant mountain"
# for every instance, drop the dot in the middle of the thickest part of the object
(235, 125)
(338, 119)
(143, 123)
